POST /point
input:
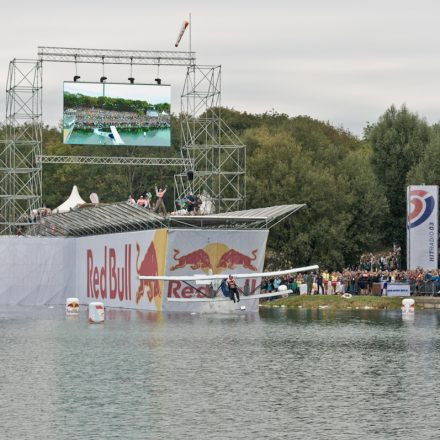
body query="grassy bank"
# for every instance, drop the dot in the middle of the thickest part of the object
(336, 302)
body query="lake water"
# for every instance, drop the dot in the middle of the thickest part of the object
(144, 138)
(279, 374)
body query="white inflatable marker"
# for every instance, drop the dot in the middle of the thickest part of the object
(96, 312)
(72, 306)
(408, 305)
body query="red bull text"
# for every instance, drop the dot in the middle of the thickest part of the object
(177, 289)
(109, 280)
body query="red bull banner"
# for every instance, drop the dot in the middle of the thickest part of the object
(422, 227)
(214, 252)
(108, 267)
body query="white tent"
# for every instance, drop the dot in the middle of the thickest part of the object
(72, 202)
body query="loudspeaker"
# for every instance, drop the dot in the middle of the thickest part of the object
(190, 175)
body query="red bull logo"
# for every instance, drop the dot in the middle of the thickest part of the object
(148, 266)
(197, 259)
(152, 264)
(215, 256)
(109, 280)
(233, 258)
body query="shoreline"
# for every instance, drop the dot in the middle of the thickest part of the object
(336, 302)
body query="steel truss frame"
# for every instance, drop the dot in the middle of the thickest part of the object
(105, 160)
(218, 155)
(108, 56)
(20, 171)
(209, 148)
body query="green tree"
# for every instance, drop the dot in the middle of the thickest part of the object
(308, 162)
(398, 140)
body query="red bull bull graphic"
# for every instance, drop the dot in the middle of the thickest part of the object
(214, 256)
(232, 259)
(153, 263)
(197, 259)
(148, 267)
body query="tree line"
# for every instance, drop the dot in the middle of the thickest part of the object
(76, 100)
(354, 188)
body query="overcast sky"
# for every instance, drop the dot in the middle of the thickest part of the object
(343, 61)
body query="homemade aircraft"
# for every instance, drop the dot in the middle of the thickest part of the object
(217, 283)
(113, 135)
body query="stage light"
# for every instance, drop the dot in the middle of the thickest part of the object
(131, 79)
(102, 79)
(190, 175)
(76, 78)
(158, 81)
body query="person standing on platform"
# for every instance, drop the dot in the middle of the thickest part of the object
(233, 290)
(160, 206)
(147, 202)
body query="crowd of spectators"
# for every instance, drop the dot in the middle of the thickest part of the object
(356, 282)
(91, 118)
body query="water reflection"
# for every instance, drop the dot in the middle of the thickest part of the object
(357, 374)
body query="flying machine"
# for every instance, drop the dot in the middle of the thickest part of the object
(218, 283)
(113, 135)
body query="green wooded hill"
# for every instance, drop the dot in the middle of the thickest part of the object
(354, 188)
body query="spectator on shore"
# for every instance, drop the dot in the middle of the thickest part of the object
(319, 282)
(131, 201)
(141, 201)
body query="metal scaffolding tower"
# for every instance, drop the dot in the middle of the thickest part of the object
(212, 162)
(20, 171)
(218, 155)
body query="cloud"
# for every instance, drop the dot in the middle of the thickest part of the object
(342, 61)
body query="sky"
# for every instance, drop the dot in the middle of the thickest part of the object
(343, 61)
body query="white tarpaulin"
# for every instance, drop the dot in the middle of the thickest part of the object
(36, 271)
(422, 226)
(72, 202)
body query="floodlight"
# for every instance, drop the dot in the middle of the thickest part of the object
(131, 79)
(158, 81)
(102, 79)
(76, 78)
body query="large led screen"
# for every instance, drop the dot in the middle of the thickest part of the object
(117, 114)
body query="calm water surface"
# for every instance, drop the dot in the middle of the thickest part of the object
(277, 375)
(146, 138)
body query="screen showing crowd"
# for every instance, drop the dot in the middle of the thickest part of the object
(117, 114)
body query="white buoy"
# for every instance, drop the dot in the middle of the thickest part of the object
(96, 312)
(72, 306)
(408, 305)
